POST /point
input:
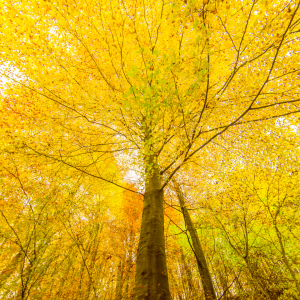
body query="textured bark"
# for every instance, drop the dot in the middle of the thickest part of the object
(206, 280)
(151, 279)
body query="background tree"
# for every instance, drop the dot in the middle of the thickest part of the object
(157, 80)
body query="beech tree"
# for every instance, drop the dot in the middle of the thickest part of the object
(153, 81)
(206, 280)
(257, 185)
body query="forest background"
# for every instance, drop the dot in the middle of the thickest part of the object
(149, 149)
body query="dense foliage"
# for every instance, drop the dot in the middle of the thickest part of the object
(106, 105)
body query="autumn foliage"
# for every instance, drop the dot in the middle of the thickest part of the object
(109, 108)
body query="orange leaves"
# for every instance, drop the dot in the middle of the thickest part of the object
(100, 86)
(132, 206)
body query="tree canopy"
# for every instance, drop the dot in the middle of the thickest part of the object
(122, 123)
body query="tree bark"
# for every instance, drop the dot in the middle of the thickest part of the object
(151, 278)
(206, 280)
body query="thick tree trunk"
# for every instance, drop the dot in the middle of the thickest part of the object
(151, 278)
(206, 280)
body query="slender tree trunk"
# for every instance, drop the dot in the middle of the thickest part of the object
(206, 280)
(126, 291)
(257, 284)
(119, 285)
(177, 289)
(151, 278)
(127, 280)
(285, 259)
(188, 274)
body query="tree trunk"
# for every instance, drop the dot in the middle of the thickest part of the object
(206, 280)
(118, 295)
(188, 274)
(151, 278)
(177, 289)
(284, 257)
(256, 282)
